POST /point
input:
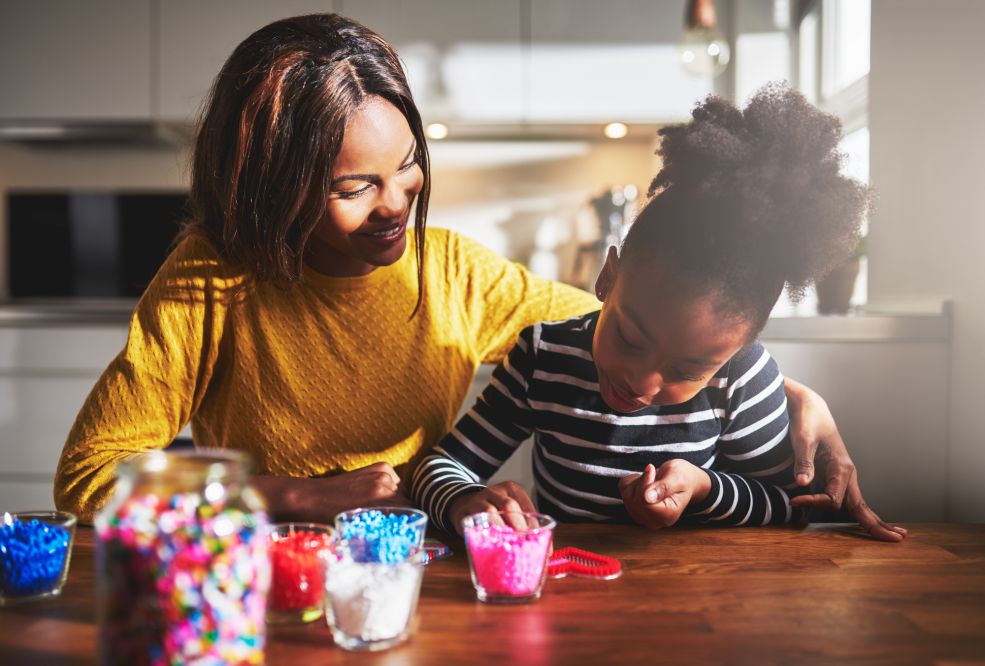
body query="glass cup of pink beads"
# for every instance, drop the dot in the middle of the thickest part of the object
(508, 554)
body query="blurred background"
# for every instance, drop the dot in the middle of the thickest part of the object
(543, 117)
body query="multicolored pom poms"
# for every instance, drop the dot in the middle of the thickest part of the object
(34, 553)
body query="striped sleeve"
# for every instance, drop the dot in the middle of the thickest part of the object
(752, 471)
(482, 439)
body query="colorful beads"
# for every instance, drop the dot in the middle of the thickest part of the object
(507, 564)
(185, 581)
(386, 535)
(297, 560)
(32, 557)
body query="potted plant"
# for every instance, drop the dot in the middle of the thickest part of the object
(834, 290)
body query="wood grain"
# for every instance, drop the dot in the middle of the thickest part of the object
(817, 595)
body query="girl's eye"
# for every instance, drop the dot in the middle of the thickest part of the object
(408, 166)
(626, 342)
(683, 376)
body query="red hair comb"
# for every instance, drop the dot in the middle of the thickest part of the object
(577, 562)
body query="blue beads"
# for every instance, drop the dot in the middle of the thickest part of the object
(375, 536)
(32, 555)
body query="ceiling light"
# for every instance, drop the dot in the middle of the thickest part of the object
(616, 130)
(436, 131)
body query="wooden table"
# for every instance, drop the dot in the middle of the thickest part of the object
(821, 594)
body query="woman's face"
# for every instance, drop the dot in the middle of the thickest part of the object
(374, 181)
(653, 346)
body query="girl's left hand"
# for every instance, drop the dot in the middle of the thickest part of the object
(656, 498)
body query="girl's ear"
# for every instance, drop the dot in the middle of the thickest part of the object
(607, 276)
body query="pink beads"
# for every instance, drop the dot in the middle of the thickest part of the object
(508, 565)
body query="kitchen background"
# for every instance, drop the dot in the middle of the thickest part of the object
(98, 99)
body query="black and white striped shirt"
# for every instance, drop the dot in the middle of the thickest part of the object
(736, 429)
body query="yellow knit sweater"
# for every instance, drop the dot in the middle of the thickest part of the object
(328, 376)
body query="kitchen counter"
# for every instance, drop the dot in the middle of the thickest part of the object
(820, 594)
(875, 325)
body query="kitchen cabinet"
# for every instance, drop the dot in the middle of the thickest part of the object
(468, 61)
(463, 57)
(195, 38)
(45, 375)
(71, 60)
(599, 62)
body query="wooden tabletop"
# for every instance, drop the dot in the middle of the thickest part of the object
(821, 594)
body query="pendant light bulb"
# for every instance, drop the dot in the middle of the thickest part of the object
(702, 49)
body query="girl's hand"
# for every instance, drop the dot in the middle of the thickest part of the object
(656, 498)
(507, 497)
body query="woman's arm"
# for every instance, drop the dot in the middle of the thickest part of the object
(817, 443)
(502, 297)
(321, 499)
(152, 388)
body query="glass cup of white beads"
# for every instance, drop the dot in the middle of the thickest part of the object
(371, 605)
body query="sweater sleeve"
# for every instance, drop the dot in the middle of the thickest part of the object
(502, 297)
(154, 385)
(752, 470)
(482, 439)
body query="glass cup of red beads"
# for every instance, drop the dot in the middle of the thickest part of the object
(35, 549)
(508, 554)
(299, 555)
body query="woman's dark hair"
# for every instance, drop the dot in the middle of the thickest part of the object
(272, 129)
(750, 200)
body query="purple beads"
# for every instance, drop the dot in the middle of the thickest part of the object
(33, 556)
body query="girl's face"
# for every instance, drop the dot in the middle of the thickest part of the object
(375, 178)
(653, 346)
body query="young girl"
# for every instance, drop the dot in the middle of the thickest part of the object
(662, 406)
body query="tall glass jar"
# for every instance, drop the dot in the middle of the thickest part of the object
(182, 561)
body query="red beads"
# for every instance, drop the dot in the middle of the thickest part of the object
(297, 568)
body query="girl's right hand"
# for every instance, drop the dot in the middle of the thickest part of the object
(507, 497)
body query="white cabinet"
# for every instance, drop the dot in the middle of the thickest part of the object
(196, 38)
(603, 61)
(45, 375)
(469, 61)
(71, 60)
(463, 57)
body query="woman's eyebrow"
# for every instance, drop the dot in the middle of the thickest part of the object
(371, 177)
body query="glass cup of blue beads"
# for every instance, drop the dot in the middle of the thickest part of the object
(385, 534)
(35, 549)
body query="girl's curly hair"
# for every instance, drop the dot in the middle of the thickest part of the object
(751, 200)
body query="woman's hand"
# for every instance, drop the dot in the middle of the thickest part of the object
(508, 496)
(656, 498)
(818, 444)
(320, 499)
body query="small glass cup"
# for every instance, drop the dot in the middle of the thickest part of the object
(372, 605)
(508, 554)
(35, 551)
(382, 534)
(299, 555)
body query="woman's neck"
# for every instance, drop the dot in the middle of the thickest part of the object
(328, 261)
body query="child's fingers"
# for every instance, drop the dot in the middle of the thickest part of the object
(644, 486)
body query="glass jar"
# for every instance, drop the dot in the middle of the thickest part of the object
(182, 563)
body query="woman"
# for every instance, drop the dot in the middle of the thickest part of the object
(291, 321)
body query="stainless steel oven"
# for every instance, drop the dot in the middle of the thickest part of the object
(92, 244)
